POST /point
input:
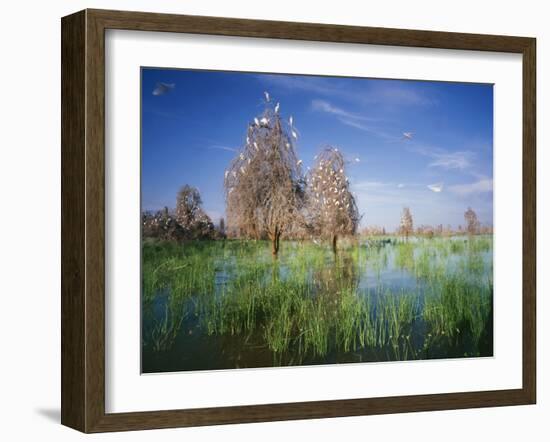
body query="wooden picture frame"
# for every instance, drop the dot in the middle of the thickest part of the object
(83, 220)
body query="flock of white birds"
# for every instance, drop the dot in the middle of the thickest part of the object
(330, 187)
(264, 123)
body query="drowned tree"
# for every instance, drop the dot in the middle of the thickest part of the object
(188, 221)
(264, 185)
(331, 205)
(190, 215)
(406, 224)
(472, 223)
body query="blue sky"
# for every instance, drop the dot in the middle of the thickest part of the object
(192, 128)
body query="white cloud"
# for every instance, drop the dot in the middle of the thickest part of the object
(351, 119)
(451, 160)
(484, 185)
(383, 92)
(397, 93)
(376, 196)
(356, 124)
(370, 184)
(325, 106)
(460, 160)
(221, 147)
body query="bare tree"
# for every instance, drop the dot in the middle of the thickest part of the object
(331, 205)
(425, 230)
(486, 230)
(188, 206)
(161, 225)
(190, 215)
(264, 185)
(406, 224)
(472, 223)
(374, 231)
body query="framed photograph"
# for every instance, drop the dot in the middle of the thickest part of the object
(267, 221)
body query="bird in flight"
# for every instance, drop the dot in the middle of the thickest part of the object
(163, 88)
(438, 187)
(408, 135)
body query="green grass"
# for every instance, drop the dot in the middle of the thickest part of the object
(309, 304)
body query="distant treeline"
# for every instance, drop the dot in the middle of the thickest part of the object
(188, 221)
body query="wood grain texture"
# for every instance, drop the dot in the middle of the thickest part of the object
(529, 220)
(73, 254)
(83, 220)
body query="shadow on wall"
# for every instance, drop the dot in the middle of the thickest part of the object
(51, 414)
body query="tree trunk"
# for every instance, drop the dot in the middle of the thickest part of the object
(275, 242)
(274, 249)
(334, 240)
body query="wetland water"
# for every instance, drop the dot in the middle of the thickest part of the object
(228, 304)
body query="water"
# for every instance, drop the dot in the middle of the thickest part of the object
(413, 290)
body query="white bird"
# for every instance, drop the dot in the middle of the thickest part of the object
(256, 121)
(264, 121)
(247, 140)
(287, 145)
(295, 135)
(163, 88)
(226, 173)
(408, 135)
(335, 149)
(266, 96)
(277, 108)
(357, 160)
(256, 146)
(242, 170)
(241, 156)
(234, 173)
(299, 162)
(438, 187)
(291, 120)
